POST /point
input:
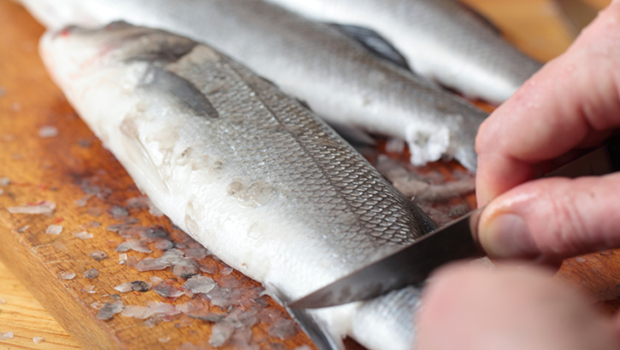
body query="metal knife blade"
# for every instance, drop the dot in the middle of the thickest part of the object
(455, 241)
(407, 266)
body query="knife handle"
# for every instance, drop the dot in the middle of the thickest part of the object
(601, 161)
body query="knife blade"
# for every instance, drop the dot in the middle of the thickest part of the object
(454, 241)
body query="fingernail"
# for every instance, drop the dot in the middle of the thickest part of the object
(507, 236)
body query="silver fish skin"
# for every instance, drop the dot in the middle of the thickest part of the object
(339, 79)
(441, 40)
(244, 169)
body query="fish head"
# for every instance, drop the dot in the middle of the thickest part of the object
(77, 51)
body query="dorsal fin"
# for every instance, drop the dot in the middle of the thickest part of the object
(373, 42)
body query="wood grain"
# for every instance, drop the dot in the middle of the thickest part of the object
(54, 169)
(26, 318)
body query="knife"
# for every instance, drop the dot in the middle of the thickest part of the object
(412, 264)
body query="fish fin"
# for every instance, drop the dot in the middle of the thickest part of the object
(373, 42)
(170, 85)
(322, 338)
(141, 162)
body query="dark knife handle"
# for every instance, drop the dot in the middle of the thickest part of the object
(613, 146)
(601, 161)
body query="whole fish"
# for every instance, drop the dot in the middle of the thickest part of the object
(441, 39)
(339, 79)
(244, 169)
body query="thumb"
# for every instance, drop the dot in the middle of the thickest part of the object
(553, 218)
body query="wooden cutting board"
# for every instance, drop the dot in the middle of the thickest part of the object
(64, 168)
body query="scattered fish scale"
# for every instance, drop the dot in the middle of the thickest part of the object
(84, 143)
(220, 333)
(130, 220)
(185, 268)
(224, 298)
(109, 310)
(200, 311)
(163, 244)
(54, 230)
(138, 286)
(243, 318)
(157, 232)
(91, 273)
(174, 258)
(44, 207)
(197, 253)
(38, 340)
(89, 290)
(117, 227)
(118, 212)
(48, 131)
(156, 279)
(135, 245)
(83, 235)
(282, 328)
(6, 335)
(199, 284)
(98, 255)
(153, 308)
(168, 291)
(88, 187)
(83, 201)
(67, 275)
(241, 340)
(411, 184)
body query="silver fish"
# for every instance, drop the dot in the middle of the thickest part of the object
(244, 169)
(441, 39)
(339, 79)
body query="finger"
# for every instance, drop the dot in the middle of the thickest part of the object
(477, 309)
(553, 218)
(571, 100)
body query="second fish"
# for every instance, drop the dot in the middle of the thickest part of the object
(333, 74)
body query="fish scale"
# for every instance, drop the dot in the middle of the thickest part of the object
(262, 183)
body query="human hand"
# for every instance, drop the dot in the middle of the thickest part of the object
(511, 308)
(573, 102)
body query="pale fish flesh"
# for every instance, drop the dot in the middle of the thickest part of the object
(244, 169)
(339, 79)
(441, 39)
